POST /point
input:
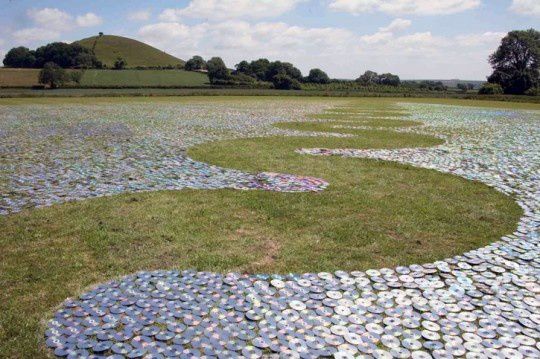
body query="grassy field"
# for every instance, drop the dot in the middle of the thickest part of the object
(108, 48)
(374, 214)
(143, 78)
(111, 78)
(18, 77)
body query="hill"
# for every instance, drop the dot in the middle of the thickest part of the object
(109, 47)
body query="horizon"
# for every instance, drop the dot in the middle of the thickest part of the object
(415, 39)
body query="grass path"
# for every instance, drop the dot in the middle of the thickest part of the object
(374, 214)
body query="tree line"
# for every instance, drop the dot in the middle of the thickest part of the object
(283, 75)
(60, 53)
(515, 65)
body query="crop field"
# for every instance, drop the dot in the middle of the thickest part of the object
(191, 226)
(18, 77)
(143, 78)
(111, 78)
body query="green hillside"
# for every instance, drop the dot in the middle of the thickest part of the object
(109, 47)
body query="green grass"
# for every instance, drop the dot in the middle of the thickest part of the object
(109, 47)
(374, 214)
(143, 78)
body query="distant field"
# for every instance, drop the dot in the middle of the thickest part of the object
(111, 78)
(18, 77)
(144, 78)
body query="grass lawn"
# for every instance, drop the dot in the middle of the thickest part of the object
(373, 214)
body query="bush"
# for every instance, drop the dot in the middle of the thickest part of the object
(20, 57)
(76, 76)
(217, 71)
(490, 89)
(120, 63)
(52, 75)
(196, 63)
(318, 76)
(284, 82)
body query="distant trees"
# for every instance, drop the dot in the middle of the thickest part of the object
(516, 62)
(62, 54)
(53, 75)
(120, 63)
(372, 78)
(317, 76)
(217, 70)
(490, 89)
(20, 57)
(284, 82)
(264, 70)
(368, 78)
(196, 63)
(465, 87)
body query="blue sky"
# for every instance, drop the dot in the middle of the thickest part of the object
(413, 38)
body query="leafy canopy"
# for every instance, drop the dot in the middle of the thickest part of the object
(516, 62)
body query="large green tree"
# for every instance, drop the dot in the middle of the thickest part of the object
(52, 75)
(318, 76)
(217, 71)
(20, 57)
(196, 63)
(516, 62)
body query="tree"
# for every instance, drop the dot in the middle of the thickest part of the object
(259, 68)
(217, 71)
(52, 75)
(20, 57)
(462, 87)
(284, 82)
(388, 79)
(516, 62)
(318, 76)
(277, 67)
(196, 63)
(368, 78)
(120, 63)
(490, 89)
(65, 55)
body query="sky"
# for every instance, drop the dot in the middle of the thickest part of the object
(416, 39)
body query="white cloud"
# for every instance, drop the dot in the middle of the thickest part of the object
(34, 34)
(340, 52)
(398, 7)
(140, 15)
(526, 7)
(230, 9)
(487, 39)
(396, 25)
(88, 20)
(50, 18)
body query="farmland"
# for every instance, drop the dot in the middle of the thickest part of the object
(111, 78)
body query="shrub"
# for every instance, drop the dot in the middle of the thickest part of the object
(195, 63)
(52, 75)
(20, 57)
(120, 63)
(217, 71)
(284, 82)
(318, 76)
(490, 89)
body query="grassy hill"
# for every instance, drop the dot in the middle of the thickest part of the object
(109, 47)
